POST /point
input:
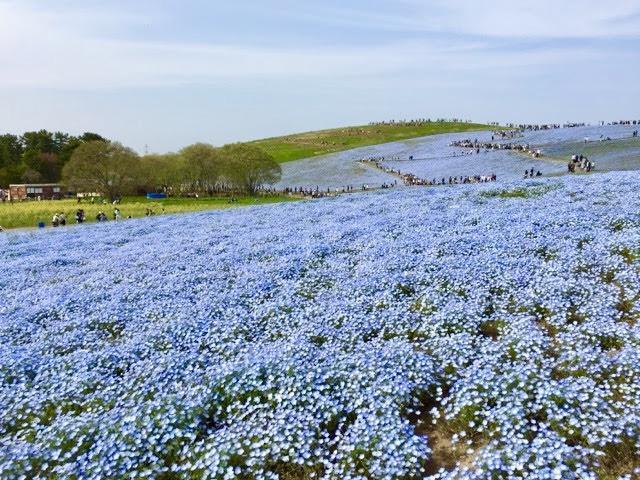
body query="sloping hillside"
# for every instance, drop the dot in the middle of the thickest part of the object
(312, 144)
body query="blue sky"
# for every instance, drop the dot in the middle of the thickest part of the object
(167, 73)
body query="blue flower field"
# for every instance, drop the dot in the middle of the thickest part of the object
(465, 332)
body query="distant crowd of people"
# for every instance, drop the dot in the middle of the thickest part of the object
(534, 127)
(472, 179)
(317, 192)
(545, 126)
(60, 219)
(580, 163)
(418, 121)
(409, 179)
(506, 134)
(517, 127)
(488, 146)
(625, 122)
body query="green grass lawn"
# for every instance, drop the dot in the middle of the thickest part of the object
(311, 144)
(28, 214)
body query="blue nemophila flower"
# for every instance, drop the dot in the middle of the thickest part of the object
(382, 335)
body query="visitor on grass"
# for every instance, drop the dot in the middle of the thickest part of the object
(55, 221)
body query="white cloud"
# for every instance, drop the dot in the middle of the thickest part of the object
(491, 18)
(542, 18)
(70, 49)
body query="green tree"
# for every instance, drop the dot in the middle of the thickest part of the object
(247, 168)
(10, 150)
(91, 137)
(67, 144)
(203, 166)
(31, 176)
(166, 173)
(108, 168)
(50, 167)
(35, 144)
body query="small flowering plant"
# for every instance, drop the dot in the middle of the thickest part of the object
(452, 333)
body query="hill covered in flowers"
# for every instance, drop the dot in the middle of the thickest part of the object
(474, 332)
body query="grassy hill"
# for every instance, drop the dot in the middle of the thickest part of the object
(311, 144)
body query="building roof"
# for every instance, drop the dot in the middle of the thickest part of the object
(35, 185)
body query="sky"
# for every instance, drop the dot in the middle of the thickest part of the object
(159, 75)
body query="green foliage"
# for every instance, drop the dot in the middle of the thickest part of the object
(492, 328)
(609, 343)
(405, 290)
(519, 192)
(628, 254)
(202, 167)
(247, 167)
(104, 167)
(166, 173)
(620, 224)
(37, 156)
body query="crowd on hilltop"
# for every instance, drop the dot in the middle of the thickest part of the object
(487, 146)
(544, 126)
(625, 122)
(580, 163)
(515, 126)
(555, 126)
(417, 121)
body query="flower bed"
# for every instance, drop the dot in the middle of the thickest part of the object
(460, 332)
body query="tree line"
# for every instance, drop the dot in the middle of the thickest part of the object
(38, 157)
(114, 170)
(92, 164)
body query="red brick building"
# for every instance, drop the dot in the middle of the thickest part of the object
(35, 191)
